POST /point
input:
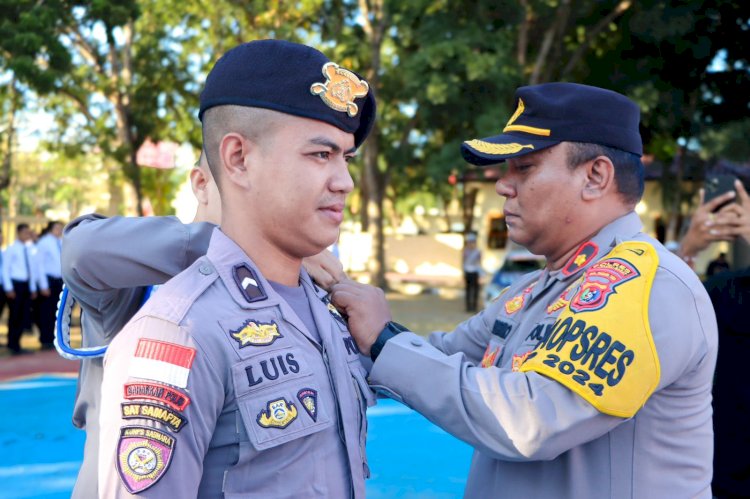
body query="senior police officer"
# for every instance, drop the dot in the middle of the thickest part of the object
(590, 378)
(238, 377)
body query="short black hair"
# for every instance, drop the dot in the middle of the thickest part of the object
(629, 170)
(21, 227)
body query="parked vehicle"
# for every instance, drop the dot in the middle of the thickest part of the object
(517, 263)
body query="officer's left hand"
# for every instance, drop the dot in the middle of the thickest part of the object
(367, 309)
(325, 269)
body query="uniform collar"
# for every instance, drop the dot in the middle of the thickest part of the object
(226, 256)
(595, 248)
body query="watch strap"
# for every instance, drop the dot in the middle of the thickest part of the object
(390, 330)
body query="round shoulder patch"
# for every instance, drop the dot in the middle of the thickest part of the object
(601, 346)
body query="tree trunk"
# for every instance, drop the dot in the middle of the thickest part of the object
(470, 199)
(135, 178)
(364, 197)
(375, 211)
(375, 21)
(6, 169)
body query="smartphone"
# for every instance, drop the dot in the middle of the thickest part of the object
(717, 184)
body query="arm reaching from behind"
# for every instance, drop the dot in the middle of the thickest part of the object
(325, 269)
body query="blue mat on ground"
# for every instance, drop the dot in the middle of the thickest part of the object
(409, 457)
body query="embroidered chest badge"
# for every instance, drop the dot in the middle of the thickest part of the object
(277, 414)
(558, 304)
(309, 400)
(256, 333)
(564, 298)
(600, 282)
(334, 311)
(488, 360)
(516, 303)
(340, 89)
(143, 456)
(518, 360)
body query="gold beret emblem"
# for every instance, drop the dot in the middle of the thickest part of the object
(340, 89)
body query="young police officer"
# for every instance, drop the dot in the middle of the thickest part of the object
(237, 377)
(588, 379)
(108, 264)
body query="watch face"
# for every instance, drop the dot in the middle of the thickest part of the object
(142, 460)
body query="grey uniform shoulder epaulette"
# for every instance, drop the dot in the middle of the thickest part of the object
(184, 290)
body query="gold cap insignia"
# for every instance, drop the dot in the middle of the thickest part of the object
(511, 127)
(490, 148)
(256, 333)
(277, 414)
(340, 89)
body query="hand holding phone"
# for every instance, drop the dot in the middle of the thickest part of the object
(717, 188)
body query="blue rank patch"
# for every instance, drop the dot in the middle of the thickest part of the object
(501, 329)
(309, 400)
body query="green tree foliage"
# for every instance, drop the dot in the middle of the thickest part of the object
(686, 63)
(117, 73)
(108, 71)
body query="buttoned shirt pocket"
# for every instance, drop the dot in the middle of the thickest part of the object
(280, 398)
(502, 329)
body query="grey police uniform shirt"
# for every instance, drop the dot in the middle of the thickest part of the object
(217, 389)
(106, 264)
(535, 437)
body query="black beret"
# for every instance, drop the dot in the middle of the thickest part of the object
(551, 113)
(294, 79)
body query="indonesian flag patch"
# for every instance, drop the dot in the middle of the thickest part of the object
(162, 361)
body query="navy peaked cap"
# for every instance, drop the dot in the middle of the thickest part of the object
(294, 79)
(551, 113)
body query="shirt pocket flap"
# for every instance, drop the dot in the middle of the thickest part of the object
(280, 401)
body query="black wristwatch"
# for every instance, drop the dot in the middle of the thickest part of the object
(390, 330)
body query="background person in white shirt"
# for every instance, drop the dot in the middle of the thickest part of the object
(20, 281)
(472, 267)
(49, 249)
